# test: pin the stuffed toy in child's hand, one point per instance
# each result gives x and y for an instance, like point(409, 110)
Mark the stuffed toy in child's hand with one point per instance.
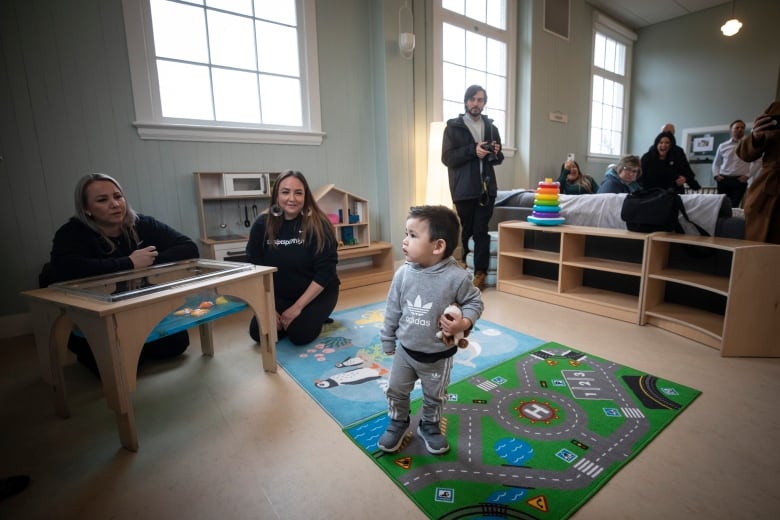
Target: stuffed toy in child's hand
point(453, 312)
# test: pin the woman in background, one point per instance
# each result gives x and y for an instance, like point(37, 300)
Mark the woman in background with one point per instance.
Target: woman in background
point(106, 236)
point(295, 236)
point(622, 178)
point(574, 182)
point(662, 168)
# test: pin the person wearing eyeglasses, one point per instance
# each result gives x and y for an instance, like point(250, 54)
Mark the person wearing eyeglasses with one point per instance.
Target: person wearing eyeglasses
point(622, 178)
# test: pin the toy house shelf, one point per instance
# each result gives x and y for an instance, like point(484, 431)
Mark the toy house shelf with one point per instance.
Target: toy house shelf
point(348, 213)
point(361, 261)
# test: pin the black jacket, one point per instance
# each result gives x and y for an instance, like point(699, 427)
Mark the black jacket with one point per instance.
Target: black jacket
point(662, 173)
point(296, 259)
point(458, 153)
point(78, 252)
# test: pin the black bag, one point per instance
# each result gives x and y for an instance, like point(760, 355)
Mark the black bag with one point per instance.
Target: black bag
point(655, 209)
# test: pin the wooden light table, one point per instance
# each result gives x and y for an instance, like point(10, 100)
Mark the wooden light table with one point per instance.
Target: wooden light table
point(117, 330)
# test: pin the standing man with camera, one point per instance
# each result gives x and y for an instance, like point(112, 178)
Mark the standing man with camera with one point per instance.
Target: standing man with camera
point(471, 147)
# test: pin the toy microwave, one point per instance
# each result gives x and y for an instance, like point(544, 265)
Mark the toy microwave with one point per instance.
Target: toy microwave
point(246, 184)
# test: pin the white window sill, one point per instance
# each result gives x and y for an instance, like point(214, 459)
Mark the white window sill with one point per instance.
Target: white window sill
point(215, 134)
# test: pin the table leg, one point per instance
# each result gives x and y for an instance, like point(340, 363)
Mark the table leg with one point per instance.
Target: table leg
point(51, 330)
point(258, 293)
point(103, 335)
point(268, 337)
point(207, 338)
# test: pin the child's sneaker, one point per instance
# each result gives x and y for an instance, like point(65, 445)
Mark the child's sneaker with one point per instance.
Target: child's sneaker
point(391, 440)
point(430, 433)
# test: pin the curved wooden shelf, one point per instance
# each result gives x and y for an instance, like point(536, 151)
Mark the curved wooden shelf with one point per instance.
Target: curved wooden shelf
point(728, 300)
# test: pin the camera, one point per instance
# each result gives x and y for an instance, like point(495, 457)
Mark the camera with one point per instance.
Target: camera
point(489, 147)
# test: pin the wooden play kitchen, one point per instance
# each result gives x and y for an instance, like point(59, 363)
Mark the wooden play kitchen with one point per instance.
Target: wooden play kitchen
point(228, 204)
point(717, 291)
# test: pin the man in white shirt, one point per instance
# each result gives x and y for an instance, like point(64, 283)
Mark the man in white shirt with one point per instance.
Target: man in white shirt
point(730, 172)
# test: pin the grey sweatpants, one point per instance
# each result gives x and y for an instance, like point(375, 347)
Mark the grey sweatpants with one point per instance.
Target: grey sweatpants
point(434, 378)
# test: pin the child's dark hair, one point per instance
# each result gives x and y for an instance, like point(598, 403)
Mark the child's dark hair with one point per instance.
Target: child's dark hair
point(442, 222)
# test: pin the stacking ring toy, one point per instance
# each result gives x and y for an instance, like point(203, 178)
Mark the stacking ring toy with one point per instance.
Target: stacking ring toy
point(546, 211)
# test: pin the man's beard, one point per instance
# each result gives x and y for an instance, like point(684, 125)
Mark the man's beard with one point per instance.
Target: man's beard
point(474, 111)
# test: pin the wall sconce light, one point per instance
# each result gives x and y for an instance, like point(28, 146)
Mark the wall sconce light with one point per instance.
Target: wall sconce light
point(406, 31)
point(732, 26)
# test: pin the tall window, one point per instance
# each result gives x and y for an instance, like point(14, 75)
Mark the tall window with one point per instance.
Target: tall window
point(475, 45)
point(610, 74)
point(225, 70)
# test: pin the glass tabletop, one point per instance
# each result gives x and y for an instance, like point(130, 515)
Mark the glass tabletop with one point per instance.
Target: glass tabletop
point(124, 285)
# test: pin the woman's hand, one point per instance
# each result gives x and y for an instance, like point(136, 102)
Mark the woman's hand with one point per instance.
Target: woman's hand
point(143, 257)
point(288, 316)
point(680, 180)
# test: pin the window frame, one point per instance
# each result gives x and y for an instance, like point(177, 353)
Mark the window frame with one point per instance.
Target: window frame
point(508, 36)
point(149, 122)
point(614, 30)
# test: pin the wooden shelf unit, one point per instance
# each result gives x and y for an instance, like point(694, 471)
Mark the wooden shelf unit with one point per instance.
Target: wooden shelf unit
point(597, 270)
point(360, 264)
point(721, 292)
point(223, 208)
point(348, 213)
point(366, 265)
point(717, 291)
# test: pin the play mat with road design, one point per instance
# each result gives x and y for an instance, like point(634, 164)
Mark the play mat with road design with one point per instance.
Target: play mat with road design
point(533, 437)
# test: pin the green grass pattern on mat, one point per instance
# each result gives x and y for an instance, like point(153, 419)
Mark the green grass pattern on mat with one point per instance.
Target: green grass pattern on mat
point(533, 437)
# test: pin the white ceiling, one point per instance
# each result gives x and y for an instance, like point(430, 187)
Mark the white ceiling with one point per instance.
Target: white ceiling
point(641, 13)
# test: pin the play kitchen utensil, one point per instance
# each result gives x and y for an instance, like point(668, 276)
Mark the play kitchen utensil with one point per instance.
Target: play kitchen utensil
point(246, 217)
point(254, 210)
point(222, 223)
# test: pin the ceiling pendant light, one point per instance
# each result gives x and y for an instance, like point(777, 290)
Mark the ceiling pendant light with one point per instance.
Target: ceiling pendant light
point(732, 26)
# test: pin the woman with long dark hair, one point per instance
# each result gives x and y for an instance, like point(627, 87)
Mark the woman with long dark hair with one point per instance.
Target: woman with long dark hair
point(574, 182)
point(295, 236)
point(664, 166)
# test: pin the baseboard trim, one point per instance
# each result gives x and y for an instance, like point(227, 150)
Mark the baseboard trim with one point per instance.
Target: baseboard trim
point(15, 325)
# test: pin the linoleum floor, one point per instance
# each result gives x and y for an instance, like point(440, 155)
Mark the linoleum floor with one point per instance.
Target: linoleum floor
point(221, 439)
